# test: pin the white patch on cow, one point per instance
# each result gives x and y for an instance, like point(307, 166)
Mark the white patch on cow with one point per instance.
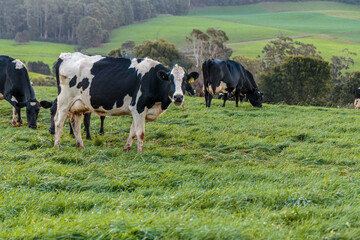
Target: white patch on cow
point(13, 99)
point(33, 103)
point(219, 89)
point(18, 64)
point(133, 108)
point(178, 73)
point(1, 96)
point(115, 111)
point(357, 103)
point(154, 112)
point(144, 66)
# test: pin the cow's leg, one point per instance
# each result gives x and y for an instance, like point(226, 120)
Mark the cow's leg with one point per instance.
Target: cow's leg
point(60, 117)
point(70, 125)
point(76, 124)
point(208, 98)
point(13, 122)
point(237, 95)
point(225, 97)
point(101, 132)
point(130, 140)
point(87, 117)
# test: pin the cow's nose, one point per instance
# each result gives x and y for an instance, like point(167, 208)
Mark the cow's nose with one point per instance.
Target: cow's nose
point(178, 98)
point(33, 126)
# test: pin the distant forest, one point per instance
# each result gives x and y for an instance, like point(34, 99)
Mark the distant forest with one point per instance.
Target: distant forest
point(59, 20)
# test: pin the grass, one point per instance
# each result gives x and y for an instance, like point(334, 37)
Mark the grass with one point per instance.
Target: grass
point(280, 172)
point(174, 29)
point(328, 46)
point(34, 50)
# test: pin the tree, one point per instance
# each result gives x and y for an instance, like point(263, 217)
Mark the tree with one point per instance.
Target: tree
point(277, 51)
point(208, 45)
point(160, 50)
point(22, 37)
point(299, 80)
point(89, 32)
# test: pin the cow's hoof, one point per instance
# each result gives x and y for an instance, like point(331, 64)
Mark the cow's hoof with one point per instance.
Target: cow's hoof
point(127, 148)
point(80, 145)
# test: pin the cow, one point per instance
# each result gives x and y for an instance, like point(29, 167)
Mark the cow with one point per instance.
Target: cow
point(228, 76)
point(357, 98)
point(15, 87)
point(87, 116)
point(108, 86)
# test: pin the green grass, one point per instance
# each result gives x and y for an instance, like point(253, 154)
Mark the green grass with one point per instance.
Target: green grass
point(174, 29)
point(279, 172)
point(328, 46)
point(34, 50)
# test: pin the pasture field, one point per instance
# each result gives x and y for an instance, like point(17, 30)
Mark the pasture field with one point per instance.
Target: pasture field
point(279, 172)
point(328, 46)
point(242, 24)
point(34, 50)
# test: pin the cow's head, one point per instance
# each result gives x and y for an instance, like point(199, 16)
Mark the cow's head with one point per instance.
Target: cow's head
point(32, 111)
point(52, 105)
point(255, 98)
point(178, 79)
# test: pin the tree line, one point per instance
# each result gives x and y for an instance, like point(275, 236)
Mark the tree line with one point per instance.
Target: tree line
point(59, 20)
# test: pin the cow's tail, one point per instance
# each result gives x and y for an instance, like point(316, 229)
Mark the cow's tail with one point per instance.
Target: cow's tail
point(57, 74)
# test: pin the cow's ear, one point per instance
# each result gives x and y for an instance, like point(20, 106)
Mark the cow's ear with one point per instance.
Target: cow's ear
point(163, 75)
point(45, 104)
point(21, 104)
point(192, 77)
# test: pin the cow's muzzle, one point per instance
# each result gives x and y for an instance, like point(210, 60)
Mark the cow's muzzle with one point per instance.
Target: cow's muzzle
point(178, 99)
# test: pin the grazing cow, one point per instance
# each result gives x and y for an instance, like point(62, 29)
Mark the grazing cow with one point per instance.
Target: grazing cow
point(15, 87)
point(228, 76)
point(53, 106)
point(143, 88)
point(357, 98)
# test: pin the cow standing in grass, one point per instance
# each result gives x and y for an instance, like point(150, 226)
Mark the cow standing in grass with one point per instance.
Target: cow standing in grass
point(15, 87)
point(143, 88)
point(226, 76)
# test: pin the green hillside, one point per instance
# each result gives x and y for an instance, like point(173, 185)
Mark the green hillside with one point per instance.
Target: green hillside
point(279, 172)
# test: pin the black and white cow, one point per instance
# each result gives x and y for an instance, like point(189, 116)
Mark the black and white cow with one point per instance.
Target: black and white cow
point(87, 116)
point(228, 76)
point(143, 88)
point(15, 87)
point(357, 98)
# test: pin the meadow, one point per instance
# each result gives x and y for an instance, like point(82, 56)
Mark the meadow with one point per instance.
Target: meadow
point(277, 172)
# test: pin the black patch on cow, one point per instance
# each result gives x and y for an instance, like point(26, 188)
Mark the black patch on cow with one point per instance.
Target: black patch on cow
point(113, 80)
point(84, 84)
point(73, 81)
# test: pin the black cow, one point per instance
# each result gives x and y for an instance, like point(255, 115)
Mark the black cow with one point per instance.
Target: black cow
point(143, 88)
point(229, 76)
point(15, 87)
point(87, 116)
point(357, 98)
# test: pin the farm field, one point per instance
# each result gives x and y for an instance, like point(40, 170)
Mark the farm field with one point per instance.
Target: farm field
point(279, 172)
point(328, 46)
point(243, 24)
point(34, 50)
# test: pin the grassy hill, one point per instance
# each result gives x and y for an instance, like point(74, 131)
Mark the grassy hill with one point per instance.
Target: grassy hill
point(243, 24)
point(279, 172)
